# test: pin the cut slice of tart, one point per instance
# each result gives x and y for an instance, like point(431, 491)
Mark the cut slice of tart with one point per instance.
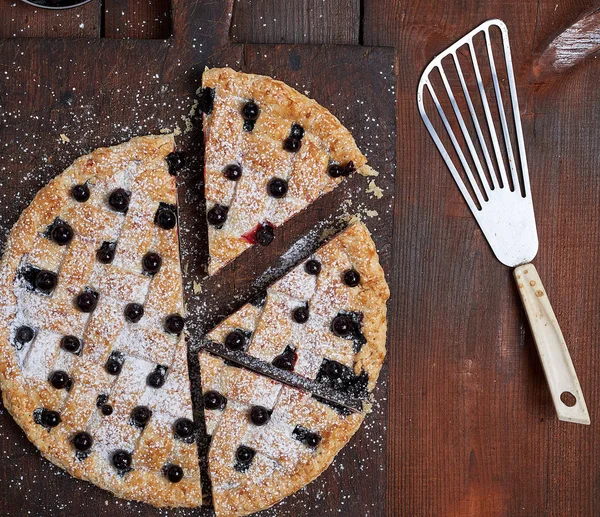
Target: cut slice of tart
point(280, 401)
point(93, 360)
point(269, 152)
point(267, 439)
point(324, 320)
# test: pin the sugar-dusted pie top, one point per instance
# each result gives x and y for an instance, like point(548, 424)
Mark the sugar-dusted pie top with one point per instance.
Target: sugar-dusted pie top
point(269, 152)
point(92, 356)
point(268, 439)
point(325, 319)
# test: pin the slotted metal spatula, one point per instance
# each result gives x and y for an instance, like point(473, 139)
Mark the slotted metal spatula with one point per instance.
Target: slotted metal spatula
point(463, 92)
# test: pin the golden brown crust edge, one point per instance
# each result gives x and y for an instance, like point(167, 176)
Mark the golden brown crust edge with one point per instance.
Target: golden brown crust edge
point(20, 402)
point(257, 497)
point(375, 292)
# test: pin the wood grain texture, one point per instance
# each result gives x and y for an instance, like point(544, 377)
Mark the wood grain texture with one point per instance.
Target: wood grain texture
point(21, 20)
point(571, 46)
point(137, 19)
point(472, 430)
point(307, 21)
point(103, 91)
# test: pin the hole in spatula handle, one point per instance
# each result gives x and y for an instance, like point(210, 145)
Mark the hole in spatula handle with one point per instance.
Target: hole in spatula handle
point(568, 399)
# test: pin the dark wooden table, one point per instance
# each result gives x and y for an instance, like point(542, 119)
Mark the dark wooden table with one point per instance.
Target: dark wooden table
point(468, 426)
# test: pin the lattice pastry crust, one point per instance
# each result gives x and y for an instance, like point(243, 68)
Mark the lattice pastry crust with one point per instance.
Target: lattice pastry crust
point(269, 152)
point(93, 359)
point(101, 391)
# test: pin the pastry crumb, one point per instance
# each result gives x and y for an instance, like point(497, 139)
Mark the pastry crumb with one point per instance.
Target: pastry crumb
point(374, 189)
point(64, 138)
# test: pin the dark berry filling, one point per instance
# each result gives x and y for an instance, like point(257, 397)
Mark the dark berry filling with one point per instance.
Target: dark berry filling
point(59, 379)
point(174, 324)
point(62, 234)
point(306, 436)
point(259, 415)
point(277, 188)
point(297, 131)
point(114, 363)
point(243, 458)
point(106, 252)
point(342, 325)
point(24, 334)
point(184, 428)
point(236, 340)
point(82, 441)
point(335, 170)
point(140, 416)
point(265, 234)
point(157, 378)
point(119, 200)
point(175, 161)
point(233, 172)
point(133, 312)
point(286, 360)
point(45, 281)
point(348, 325)
point(301, 314)
point(46, 417)
point(80, 193)
point(71, 344)
point(214, 400)
point(217, 216)
point(292, 144)
point(342, 378)
point(250, 111)
point(174, 473)
point(151, 262)
point(344, 411)
point(207, 97)
point(166, 216)
point(312, 267)
point(101, 399)
point(121, 460)
point(106, 409)
point(351, 278)
point(86, 301)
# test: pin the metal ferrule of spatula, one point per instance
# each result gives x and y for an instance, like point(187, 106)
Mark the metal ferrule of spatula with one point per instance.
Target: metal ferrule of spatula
point(482, 160)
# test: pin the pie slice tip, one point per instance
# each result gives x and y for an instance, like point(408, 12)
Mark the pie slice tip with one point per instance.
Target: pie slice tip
point(270, 151)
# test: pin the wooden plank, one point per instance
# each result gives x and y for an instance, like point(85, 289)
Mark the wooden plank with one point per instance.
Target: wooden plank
point(472, 429)
point(137, 19)
point(307, 21)
point(23, 20)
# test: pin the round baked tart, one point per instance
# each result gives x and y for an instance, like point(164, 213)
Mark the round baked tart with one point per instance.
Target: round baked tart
point(93, 354)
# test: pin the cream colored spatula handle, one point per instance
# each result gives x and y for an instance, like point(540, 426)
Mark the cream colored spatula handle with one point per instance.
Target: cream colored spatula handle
point(556, 361)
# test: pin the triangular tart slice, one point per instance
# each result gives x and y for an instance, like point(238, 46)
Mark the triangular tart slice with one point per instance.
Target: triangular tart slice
point(269, 152)
point(324, 320)
point(268, 439)
point(93, 359)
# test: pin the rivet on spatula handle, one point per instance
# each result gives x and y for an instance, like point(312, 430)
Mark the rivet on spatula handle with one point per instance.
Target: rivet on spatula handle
point(554, 355)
